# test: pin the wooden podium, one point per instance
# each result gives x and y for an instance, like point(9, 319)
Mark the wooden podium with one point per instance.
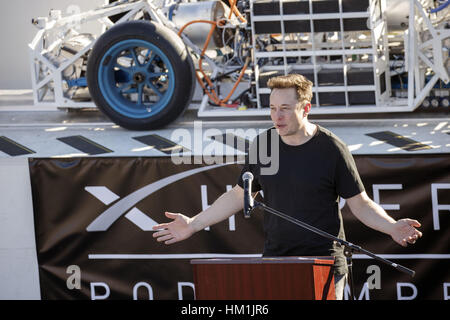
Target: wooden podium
point(277, 278)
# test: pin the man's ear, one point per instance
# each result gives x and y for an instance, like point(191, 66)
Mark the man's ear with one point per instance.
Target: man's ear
point(307, 108)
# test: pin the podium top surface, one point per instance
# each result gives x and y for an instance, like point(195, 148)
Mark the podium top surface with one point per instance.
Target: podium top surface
point(266, 260)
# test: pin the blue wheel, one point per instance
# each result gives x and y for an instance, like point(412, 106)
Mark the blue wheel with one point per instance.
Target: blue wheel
point(140, 75)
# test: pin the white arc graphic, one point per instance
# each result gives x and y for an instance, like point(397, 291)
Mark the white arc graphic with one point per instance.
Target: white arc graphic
point(110, 215)
point(135, 215)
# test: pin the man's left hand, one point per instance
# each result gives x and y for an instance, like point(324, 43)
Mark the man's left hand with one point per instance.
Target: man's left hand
point(404, 231)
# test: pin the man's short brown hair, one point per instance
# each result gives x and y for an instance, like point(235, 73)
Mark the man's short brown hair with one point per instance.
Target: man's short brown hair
point(302, 86)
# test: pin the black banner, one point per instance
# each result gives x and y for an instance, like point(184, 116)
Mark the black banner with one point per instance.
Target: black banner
point(93, 219)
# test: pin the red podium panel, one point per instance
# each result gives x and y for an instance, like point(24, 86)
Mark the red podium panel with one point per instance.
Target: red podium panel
point(278, 278)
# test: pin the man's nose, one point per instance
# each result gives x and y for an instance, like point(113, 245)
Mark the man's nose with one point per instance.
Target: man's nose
point(278, 114)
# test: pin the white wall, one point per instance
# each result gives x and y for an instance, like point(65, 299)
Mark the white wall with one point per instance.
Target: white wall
point(19, 278)
point(16, 32)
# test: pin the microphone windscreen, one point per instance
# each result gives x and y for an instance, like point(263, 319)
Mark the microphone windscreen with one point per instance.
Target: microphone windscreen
point(247, 176)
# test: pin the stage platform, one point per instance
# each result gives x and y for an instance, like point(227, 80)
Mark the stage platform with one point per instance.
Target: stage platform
point(27, 131)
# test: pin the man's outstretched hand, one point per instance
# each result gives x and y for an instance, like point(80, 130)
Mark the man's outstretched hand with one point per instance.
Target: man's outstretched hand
point(174, 231)
point(404, 231)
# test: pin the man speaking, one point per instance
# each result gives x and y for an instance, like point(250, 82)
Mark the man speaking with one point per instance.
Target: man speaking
point(315, 169)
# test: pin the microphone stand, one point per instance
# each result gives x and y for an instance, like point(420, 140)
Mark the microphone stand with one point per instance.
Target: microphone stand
point(349, 248)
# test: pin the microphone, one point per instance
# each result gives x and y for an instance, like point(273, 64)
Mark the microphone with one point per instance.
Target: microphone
point(247, 177)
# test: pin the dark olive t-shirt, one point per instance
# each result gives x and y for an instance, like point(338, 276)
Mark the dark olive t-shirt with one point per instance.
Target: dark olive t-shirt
point(310, 179)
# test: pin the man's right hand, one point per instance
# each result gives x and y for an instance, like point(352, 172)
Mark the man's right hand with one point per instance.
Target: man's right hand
point(183, 227)
point(177, 230)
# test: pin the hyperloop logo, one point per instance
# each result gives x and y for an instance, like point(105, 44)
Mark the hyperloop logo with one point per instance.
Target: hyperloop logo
point(128, 204)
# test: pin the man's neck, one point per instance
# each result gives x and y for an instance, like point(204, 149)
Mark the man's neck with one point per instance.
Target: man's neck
point(303, 135)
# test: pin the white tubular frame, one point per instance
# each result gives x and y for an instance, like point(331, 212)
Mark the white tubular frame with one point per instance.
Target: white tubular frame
point(419, 54)
point(46, 76)
point(420, 57)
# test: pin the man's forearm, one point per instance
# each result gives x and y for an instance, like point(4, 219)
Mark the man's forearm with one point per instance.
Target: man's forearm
point(224, 207)
point(376, 218)
point(371, 214)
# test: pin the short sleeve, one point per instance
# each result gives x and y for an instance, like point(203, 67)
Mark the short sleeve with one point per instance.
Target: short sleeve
point(347, 179)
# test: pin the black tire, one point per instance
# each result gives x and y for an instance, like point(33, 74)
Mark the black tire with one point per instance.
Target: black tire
point(145, 60)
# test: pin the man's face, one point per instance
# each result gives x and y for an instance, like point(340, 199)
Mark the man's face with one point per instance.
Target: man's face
point(286, 112)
